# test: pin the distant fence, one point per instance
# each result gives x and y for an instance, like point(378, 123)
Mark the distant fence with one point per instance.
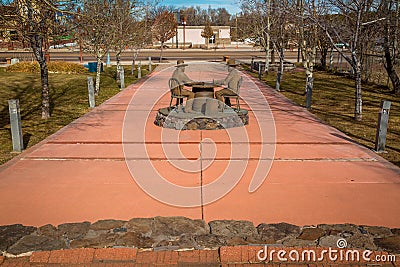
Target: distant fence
point(22, 56)
point(258, 64)
point(373, 68)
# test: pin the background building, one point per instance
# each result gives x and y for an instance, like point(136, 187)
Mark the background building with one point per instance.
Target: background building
point(193, 38)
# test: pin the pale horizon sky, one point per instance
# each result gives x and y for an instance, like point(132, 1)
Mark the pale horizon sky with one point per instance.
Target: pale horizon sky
point(232, 7)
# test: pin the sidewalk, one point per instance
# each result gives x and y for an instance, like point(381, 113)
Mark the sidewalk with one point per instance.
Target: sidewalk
point(318, 175)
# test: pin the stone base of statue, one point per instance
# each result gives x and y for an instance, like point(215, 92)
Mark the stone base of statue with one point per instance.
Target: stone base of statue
point(203, 116)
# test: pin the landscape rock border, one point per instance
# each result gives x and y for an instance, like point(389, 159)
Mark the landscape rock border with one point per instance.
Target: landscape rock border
point(174, 233)
point(195, 121)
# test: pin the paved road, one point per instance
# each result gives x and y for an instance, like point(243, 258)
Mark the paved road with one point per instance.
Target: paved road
point(168, 54)
point(285, 166)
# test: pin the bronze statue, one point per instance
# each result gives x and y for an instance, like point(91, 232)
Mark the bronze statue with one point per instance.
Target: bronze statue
point(231, 81)
point(183, 79)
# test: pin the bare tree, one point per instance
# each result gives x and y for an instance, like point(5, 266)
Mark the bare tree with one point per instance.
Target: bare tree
point(349, 24)
point(222, 18)
point(324, 46)
point(125, 25)
point(391, 41)
point(138, 39)
point(36, 21)
point(256, 20)
point(140, 35)
point(308, 42)
point(207, 32)
point(94, 27)
point(191, 14)
point(282, 30)
point(196, 16)
point(164, 28)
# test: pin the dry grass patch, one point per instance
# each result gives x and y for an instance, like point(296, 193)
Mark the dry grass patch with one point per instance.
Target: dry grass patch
point(333, 102)
point(69, 101)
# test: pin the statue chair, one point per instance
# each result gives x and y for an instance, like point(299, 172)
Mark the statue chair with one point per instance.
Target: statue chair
point(236, 96)
point(173, 84)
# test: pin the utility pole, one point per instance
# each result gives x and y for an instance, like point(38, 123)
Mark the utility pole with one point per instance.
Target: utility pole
point(80, 50)
point(178, 20)
point(237, 33)
point(80, 41)
point(184, 33)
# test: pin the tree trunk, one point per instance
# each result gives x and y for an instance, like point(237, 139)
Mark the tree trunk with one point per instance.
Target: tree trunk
point(331, 60)
point(97, 89)
point(280, 70)
point(324, 55)
point(162, 47)
point(391, 71)
point(37, 47)
point(273, 56)
point(118, 58)
point(389, 64)
point(358, 94)
point(44, 75)
point(267, 54)
point(309, 89)
point(366, 68)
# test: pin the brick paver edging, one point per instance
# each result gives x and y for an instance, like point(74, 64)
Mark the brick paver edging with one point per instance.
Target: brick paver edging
point(223, 256)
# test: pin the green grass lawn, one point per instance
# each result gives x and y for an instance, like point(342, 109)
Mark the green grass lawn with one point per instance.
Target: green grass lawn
point(333, 102)
point(69, 101)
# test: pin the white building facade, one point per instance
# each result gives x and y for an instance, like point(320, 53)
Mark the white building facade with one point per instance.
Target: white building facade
point(193, 38)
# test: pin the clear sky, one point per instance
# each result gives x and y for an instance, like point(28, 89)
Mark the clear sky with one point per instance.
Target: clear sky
point(232, 6)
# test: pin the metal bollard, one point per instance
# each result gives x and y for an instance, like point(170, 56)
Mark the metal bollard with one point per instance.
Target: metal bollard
point(259, 70)
point(133, 67)
point(92, 102)
point(252, 63)
point(150, 66)
point(16, 128)
point(139, 71)
point(381, 131)
point(278, 81)
point(310, 82)
point(122, 77)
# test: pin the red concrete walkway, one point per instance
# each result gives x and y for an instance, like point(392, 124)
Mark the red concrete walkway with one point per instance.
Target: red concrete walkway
point(317, 174)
